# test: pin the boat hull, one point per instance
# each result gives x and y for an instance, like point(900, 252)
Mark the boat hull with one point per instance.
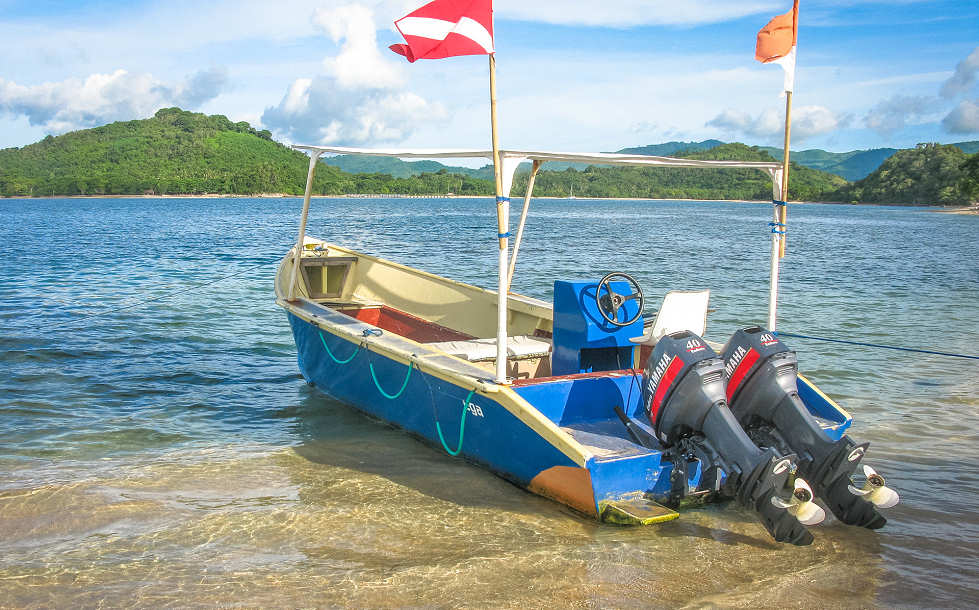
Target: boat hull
point(461, 421)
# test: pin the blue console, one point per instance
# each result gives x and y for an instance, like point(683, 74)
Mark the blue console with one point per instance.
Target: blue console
point(584, 341)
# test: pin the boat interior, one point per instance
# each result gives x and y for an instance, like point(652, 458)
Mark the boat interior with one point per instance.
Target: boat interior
point(565, 358)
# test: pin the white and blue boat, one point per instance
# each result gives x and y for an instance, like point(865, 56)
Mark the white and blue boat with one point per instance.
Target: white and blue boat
point(583, 400)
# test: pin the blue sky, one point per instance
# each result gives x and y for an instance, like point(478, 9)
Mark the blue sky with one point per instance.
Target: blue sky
point(574, 75)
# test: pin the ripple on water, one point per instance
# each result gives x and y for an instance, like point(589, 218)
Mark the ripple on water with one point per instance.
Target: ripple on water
point(171, 455)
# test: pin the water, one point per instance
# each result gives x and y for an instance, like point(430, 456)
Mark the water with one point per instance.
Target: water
point(166, 452)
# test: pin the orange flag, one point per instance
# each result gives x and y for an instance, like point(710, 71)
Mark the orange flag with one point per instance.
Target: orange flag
point(777, 42)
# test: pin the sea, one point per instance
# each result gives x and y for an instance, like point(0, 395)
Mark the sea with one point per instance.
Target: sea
point(159, 448)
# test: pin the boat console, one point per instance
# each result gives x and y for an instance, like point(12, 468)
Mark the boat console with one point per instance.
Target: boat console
point(593, 324)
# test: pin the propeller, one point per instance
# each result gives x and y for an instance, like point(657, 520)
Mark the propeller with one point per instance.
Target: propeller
point(875, 491)
point(800, 505)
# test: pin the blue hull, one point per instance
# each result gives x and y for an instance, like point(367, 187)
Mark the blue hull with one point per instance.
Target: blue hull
point(460, 421)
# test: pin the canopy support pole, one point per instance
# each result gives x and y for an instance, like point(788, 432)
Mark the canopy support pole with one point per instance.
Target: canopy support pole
point(313, 158)
point(502, 224)
point(523, 220)
point(784, 212)
point(777, 237)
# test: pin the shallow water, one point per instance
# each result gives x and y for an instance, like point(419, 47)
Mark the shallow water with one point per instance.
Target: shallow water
point(166, 452)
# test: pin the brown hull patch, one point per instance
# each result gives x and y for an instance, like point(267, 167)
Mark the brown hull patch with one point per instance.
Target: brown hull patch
point(569, 485)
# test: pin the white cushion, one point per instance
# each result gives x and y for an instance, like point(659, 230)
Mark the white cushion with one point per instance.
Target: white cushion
point(523, 346)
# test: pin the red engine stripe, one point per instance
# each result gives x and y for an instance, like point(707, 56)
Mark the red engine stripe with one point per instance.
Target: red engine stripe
point(676, 365)
point(737, 377)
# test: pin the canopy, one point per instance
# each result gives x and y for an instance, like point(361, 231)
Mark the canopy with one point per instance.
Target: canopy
point(510, 161)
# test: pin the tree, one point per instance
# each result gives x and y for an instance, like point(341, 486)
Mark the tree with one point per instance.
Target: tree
point(969, 183)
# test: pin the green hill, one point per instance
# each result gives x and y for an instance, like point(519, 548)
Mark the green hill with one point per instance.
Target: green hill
point(852, 165)
point(682, 183)
point(190, 153)
point(367, 164)
point(183, 152)
point(670, 148)
point(929, 174)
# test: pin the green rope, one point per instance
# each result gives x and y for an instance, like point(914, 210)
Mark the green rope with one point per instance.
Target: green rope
point(462, 426)
point(403, 385)
point(356, 351)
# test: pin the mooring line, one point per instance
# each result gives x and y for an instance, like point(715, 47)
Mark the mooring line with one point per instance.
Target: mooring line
point(462, 426)
point(877, 345)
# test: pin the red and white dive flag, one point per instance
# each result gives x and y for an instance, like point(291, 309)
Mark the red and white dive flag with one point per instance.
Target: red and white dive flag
point(446, 28)
point(777, 41)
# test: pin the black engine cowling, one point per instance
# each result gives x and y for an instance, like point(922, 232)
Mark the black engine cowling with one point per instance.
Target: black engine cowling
point(763, 393)
point(683, 395)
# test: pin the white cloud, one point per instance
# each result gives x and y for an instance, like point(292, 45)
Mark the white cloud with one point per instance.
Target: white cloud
point(807, 121)
point(964, 78)
point(737, 121)
point(360, 63)
point(964, 118)
point(102, 98)
point(895, 112)
point(359, 99)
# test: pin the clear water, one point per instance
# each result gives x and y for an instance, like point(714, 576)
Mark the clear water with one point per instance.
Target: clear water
point(169, 454)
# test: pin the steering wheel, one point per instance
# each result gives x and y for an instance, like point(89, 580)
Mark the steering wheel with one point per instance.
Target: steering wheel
point(609, 304)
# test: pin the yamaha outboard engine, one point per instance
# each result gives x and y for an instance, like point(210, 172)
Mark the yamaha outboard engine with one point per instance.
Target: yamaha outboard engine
point(683, 394)
point(763, 393)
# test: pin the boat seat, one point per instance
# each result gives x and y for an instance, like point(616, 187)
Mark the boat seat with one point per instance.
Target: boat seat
point(681, 310)
point(475, 350)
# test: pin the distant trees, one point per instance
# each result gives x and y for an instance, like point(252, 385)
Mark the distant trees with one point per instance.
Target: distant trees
point(191, 153)
point(969, 182)
point(928, 174)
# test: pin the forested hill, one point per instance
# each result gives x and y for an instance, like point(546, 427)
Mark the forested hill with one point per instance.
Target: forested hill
point(676, 182)
point(929, 174)
point(173, 152)
point(180, 152)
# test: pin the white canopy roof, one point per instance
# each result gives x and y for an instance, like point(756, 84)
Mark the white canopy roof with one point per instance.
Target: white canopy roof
point(513, 158)
point(527, 155)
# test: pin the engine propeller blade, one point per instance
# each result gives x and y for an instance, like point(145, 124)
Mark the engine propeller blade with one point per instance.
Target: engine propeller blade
point(801, 505)
point(875, 491)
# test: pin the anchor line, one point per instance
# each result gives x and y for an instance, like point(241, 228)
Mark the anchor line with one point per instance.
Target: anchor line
point(462, 426)
point(435, 416)
point(877, 345)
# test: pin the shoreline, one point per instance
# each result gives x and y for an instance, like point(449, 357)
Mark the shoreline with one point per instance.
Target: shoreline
point(960, 210)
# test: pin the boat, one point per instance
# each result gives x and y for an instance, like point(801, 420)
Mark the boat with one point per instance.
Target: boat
point(624, 419)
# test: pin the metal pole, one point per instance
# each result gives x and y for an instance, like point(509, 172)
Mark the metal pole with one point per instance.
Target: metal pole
point(784, 212)
point(313, 158)
point(774, 262)
point(523, 219)
point(502, 222)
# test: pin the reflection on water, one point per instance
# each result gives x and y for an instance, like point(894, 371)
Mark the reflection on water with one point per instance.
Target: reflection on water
point(171, 455)
point(360, 514)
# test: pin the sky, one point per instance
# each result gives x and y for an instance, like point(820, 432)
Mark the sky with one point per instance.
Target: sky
point(573, 75)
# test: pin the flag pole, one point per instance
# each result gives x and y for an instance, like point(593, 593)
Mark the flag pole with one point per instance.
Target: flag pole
point(783, 209)
point(502, 222)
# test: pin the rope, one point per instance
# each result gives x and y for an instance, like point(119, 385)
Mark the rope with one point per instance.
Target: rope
point(330, 354)
point(878, 345)
point(403, 385)
point(462, 426)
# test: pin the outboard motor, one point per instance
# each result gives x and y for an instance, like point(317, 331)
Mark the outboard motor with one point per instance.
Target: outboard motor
point(683, 394)
point(763, 393)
